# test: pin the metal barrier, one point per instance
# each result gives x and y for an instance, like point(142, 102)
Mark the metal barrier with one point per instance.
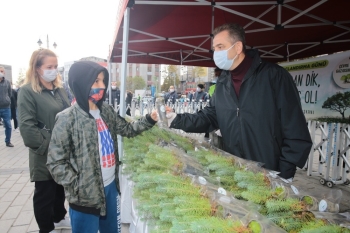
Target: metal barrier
point(331, 143)
point(144, 107)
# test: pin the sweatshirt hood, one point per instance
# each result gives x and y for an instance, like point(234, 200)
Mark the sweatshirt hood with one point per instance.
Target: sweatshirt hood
point(82, 76)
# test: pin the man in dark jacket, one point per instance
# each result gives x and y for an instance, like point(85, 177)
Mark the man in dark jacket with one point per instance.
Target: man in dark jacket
point(200, 94)
point(5, 105)
point(115, 94)
point(172, 96)
point(255, 105)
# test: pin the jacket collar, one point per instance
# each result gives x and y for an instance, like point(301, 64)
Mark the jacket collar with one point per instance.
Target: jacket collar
point(225, 76)
point(87, 114)
point(76, 106)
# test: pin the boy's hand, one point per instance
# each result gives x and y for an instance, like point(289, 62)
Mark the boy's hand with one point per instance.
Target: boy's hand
point(171, 116)
point(168, 109)
point(154, 115)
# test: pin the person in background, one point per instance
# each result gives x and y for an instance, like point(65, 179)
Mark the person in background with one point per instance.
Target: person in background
point(171, 97)
point(190, 95)
point(41, 97)
point(115, 97)
point(83, 152)
point(14, 110)
point(200, 94)
point(5, 106)
point(217, 73)
point(69, 92)
point(256, 106)
point(128, 102)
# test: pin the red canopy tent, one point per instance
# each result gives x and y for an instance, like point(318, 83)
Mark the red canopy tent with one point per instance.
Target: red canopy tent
point(179, 32)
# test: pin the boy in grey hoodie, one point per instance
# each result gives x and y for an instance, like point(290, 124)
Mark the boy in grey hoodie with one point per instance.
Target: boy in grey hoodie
point(83, 151)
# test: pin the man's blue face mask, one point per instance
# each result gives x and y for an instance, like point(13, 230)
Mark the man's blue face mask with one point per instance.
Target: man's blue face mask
point(221, 60)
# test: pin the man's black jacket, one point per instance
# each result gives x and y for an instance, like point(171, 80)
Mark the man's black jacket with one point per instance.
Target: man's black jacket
point(266, 124)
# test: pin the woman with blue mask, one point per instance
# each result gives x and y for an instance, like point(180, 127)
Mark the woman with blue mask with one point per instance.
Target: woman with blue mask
point(39, 100)
point(256, 106)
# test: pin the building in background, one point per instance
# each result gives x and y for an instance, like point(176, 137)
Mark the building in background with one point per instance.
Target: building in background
point(8, 72)
point(61, 72)
point(152, 74)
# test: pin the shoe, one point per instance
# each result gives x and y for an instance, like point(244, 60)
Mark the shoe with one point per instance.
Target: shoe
point(17, 130)
point(63, 224)
point(9, 144)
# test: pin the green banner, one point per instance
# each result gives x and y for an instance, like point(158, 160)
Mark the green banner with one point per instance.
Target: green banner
point(307, 65)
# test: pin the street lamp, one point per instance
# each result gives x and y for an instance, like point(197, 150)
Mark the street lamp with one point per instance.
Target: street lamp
point(47, 43)
point(39, 43)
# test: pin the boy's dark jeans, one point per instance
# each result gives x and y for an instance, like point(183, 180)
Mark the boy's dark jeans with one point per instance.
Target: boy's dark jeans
point(48, 203)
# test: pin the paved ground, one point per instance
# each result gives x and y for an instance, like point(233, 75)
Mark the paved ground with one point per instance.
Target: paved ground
point(16, 190)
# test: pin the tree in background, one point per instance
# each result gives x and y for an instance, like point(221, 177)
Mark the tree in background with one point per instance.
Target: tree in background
point(21, 77)
point(345, 78)
point(338, 103)
point(170, 75)
point(199, 72)
point(135, 83)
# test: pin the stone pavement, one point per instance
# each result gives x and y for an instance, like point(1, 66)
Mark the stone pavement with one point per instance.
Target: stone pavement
point(16, 190)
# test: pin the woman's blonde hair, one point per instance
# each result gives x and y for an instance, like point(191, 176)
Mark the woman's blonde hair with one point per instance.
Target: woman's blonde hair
point(32, 76)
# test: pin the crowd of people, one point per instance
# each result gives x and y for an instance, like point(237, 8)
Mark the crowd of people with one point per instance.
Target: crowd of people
point(71, 132)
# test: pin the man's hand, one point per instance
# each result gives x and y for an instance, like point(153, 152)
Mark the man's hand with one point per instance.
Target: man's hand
point(154, 115)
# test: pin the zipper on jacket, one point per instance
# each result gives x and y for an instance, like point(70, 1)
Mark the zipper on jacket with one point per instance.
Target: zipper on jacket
point(237, 111)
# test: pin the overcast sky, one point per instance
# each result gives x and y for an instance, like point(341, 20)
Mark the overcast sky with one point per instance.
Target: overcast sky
point(79, 28)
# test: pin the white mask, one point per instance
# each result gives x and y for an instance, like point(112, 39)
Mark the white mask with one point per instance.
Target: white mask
point(221, 60)
point(49, 75)
point(198, 89)
point(171, 90)
point(2, 75)
point(114, 87)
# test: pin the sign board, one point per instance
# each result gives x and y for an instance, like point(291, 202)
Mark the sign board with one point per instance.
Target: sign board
point(319, 78)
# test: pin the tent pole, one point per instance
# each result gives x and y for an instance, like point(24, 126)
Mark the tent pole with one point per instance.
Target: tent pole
point(123, 75)
point(109, 89)
point(212, 25)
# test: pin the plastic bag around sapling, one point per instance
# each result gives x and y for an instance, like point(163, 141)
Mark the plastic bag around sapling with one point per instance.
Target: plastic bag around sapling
point(209, 185)
point(259, 223)
point(341, 219)
point(190, 164)
point(325, 201)
point(231, 207)
point(240, 162)
point(285, 189)
point(280, 191)
point(160, 106)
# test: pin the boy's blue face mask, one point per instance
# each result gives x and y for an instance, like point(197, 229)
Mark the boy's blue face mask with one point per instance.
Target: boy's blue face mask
point(96, 94)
